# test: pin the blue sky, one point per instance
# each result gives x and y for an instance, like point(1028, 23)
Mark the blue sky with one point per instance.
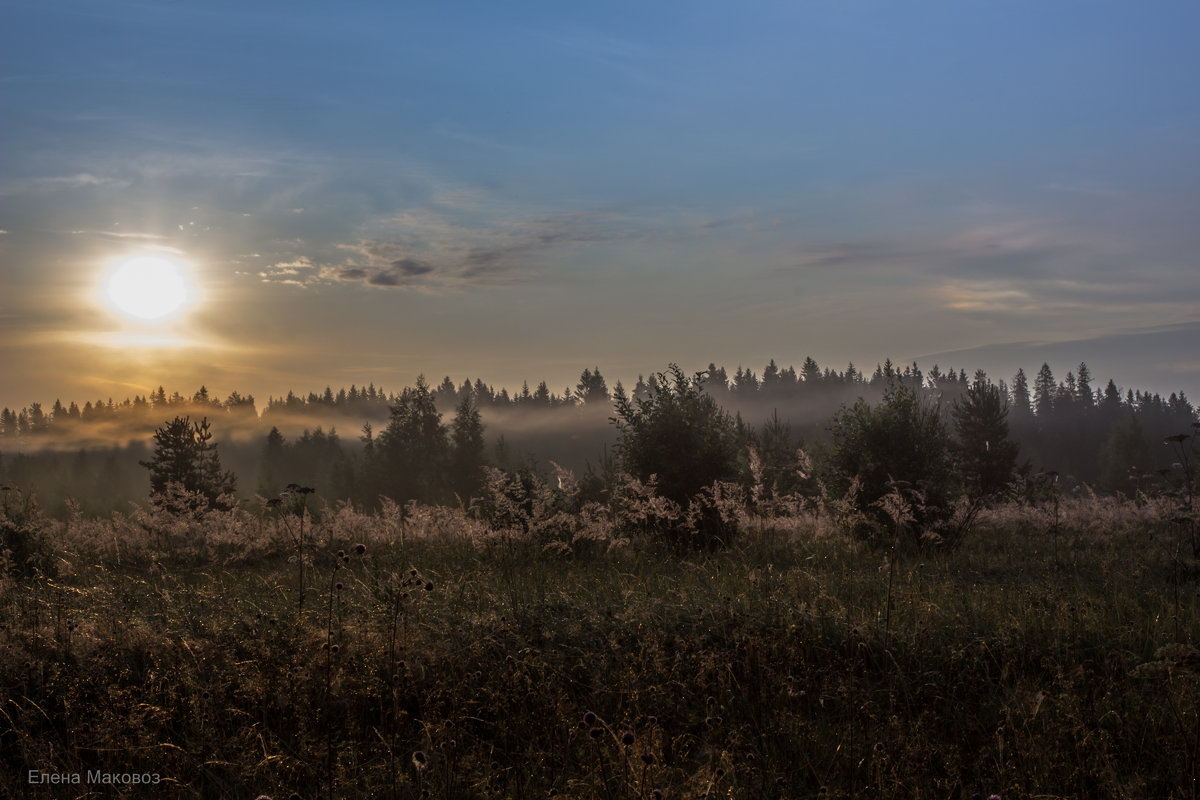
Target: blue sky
point(368, 191)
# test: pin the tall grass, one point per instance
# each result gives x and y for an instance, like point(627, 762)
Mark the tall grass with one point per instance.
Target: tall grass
point(552, 650)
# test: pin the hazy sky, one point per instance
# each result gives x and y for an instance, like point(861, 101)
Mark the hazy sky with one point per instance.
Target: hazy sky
point(366, 191)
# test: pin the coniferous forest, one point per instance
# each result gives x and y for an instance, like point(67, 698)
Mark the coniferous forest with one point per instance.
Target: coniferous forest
point(795, 584)
point(356, 444)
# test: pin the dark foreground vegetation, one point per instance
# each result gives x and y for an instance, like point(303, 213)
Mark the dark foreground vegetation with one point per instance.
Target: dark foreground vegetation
point(553, 648)
point(911, 611)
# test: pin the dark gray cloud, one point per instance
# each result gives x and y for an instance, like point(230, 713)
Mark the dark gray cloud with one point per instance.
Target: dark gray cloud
point(437, 252)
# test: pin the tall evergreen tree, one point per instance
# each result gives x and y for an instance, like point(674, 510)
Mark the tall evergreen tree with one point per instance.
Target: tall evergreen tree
point(1044, 390)
point(466, 450)
point(985, 454)
point(592, 387)
point(411, 452)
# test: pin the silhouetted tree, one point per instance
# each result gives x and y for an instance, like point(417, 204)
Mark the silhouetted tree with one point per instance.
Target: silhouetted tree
point(466, 450)
point(986, 456)
point(592, 387)
point(899, 445)
point(411, 453)
point(680, 435)
point(185, 457)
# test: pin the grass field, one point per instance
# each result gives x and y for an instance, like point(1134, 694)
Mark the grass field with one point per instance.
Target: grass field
point(425, 653)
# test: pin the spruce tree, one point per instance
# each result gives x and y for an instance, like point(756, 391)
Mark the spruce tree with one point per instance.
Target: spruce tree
point(185, 458)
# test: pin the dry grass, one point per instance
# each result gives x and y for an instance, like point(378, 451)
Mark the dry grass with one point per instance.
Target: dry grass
point(517, 658)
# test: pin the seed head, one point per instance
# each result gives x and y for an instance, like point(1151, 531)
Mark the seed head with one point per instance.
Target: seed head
point(418, 759)
point(595, 733)
point(429, 587)
point(627, 738)
point(360, 548)
point(341, 553)
point(879, 747)
point(657, 794)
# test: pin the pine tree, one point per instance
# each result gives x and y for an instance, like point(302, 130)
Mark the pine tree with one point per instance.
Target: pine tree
point(185, 458)
point(1044, 390)
point(466, 450)
point(985, 454)
point(592, 387)
point(411, 452)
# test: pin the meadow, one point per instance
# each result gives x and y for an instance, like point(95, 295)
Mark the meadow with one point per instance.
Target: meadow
point(550, 649)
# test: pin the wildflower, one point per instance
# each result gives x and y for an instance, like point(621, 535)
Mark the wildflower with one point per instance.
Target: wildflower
point(657, 794)
point(418, 759)
point(339, 586)
point(627, 738)
point(429, 587)
point(595, 733)
point(647, 759)
point(360, 548)
point(589, 719)
point(720, 773)
point(652, 721)
point(341, 553)
point(879, 747)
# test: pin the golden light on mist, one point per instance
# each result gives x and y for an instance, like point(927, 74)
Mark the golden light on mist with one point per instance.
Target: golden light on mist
point(149, 287)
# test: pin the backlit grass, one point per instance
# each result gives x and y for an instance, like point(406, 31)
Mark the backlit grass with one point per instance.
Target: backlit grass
point(599, 664)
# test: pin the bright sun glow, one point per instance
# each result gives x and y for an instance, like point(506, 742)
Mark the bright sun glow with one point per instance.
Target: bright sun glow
point(148, 287)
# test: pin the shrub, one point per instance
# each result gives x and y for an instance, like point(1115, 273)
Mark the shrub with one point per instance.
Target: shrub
point(681, 437)
point(24, 550)
point(898, 449)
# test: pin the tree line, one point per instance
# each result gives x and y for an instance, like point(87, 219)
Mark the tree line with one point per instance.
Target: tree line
point(406, 447)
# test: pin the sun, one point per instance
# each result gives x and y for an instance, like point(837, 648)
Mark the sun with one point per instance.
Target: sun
point(148, 287)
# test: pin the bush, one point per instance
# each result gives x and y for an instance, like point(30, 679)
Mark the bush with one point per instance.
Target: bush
point(24, 551)
point(679, 437)
point(893, 463)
